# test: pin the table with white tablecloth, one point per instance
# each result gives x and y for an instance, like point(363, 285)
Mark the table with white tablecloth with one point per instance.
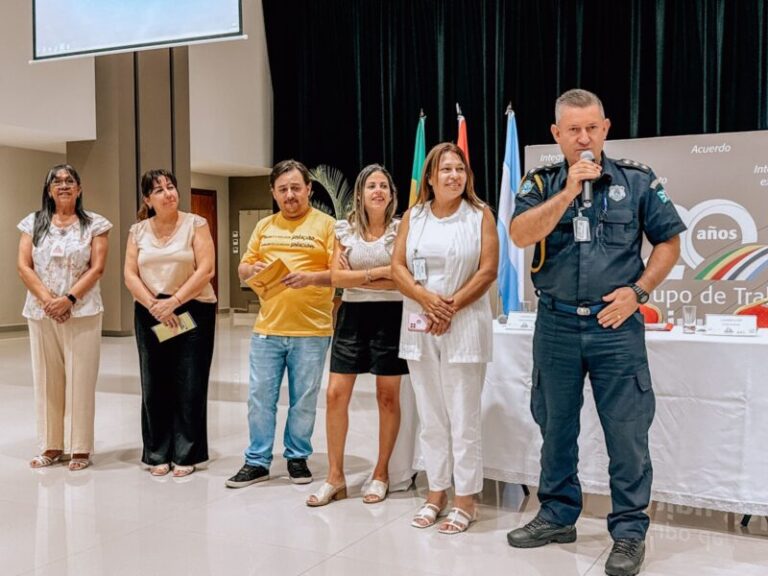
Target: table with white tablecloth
point(709, 438)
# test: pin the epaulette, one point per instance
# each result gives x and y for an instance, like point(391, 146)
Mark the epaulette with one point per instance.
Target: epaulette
point(625, 163)
point(544, 168)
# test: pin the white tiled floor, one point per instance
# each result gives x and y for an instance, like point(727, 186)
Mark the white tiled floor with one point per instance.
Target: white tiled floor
point(114, 518)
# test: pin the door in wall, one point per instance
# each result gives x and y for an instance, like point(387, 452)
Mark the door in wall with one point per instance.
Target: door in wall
point(204, 204)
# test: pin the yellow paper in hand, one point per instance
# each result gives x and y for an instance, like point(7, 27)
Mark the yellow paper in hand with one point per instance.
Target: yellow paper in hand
point(186, 323)
point(269, 281)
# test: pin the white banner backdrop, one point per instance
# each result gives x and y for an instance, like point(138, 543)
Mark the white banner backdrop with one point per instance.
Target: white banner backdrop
point(719, 185)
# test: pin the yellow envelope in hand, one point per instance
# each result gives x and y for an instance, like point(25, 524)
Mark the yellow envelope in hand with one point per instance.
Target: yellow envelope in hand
point(269, 281)
point(186, 323)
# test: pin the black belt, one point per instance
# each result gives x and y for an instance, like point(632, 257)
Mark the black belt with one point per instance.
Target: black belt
point(583, 309)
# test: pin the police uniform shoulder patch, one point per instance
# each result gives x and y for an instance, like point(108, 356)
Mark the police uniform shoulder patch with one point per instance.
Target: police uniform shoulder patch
point(526, 187)
point(543, 168)
point(658, 187)
point(625, 163)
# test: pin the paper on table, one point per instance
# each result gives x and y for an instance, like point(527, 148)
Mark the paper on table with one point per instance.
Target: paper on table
point(186, 323)
point(659, 326)
point(268, 282)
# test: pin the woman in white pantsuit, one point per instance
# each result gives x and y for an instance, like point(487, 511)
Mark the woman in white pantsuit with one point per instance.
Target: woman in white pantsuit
point(445, 259)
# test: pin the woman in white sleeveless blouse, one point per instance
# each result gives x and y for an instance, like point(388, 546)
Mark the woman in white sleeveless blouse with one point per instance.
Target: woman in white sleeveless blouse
point(445, 259)
point(367, 330)
point(169, 264)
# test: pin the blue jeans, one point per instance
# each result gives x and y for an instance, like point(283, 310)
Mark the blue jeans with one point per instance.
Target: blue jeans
point(304, 357)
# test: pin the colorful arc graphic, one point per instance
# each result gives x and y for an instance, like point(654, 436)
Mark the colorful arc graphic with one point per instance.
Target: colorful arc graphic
point(744, 263)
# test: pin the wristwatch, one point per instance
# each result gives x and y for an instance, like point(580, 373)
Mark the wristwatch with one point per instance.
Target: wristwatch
point(72, 298)
point(641, 295)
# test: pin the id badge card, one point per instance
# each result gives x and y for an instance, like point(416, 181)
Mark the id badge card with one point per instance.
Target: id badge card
point(581, 229)
point(417, 322)
point(57, 250)
point(420, 269)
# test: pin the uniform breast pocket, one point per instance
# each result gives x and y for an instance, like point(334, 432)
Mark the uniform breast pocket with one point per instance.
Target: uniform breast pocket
point(619, 227)
point(562, 235)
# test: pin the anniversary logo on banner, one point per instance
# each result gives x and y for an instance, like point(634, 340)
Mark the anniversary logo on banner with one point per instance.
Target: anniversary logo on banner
point(719, 185)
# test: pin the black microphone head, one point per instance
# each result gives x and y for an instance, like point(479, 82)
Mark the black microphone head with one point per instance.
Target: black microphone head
point(587, 155)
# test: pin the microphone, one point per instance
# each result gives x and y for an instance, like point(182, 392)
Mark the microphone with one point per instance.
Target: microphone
point(586, 191)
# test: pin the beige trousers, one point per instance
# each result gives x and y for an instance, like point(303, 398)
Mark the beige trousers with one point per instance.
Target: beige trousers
point(65, 366)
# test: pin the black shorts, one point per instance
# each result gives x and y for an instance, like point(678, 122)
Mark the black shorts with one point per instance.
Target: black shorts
point(367, 339)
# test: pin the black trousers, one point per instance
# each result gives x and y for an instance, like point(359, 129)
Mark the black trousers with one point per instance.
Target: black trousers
point(174, 387)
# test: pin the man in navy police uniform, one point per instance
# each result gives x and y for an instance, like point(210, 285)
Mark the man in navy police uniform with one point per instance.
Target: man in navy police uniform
point(590, 277)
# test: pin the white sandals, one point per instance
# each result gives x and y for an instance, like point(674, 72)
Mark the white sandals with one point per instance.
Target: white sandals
point(43, 460)
point(426, 515)
point(327, 494)
point(458, 521)
point(376, 492)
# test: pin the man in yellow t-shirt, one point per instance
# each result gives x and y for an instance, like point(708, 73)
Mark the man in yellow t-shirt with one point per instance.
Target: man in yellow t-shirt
point(294, 327)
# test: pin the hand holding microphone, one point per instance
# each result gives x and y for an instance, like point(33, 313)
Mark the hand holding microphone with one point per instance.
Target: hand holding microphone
point(586, 190)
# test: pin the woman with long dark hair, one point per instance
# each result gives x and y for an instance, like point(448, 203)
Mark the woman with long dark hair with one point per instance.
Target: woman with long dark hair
point(62, 252)
point(169, 264)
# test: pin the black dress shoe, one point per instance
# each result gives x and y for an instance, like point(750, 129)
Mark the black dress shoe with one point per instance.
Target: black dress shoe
point(626, 557)
point(539, 532)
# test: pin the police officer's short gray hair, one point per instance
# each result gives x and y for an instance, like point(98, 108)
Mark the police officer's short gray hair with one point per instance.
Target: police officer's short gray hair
point(577, 98)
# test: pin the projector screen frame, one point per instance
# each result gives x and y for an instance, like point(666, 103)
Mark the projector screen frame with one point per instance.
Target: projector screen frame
point(175, 43)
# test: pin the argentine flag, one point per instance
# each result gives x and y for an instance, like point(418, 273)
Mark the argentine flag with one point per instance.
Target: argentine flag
point(511, 258)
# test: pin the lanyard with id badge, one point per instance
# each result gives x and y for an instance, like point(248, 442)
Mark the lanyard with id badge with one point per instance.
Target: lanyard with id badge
point(419, 263)
point(582, 231)
point(418, 322)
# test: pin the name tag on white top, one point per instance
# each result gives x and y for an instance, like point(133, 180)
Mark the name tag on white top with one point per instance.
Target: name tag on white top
point(420, 269)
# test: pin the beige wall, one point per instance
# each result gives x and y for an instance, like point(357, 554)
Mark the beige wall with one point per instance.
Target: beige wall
point(221, 185)
point(244, 194)
point(45, 104)
point(230, 97)
point(21, 189)
point(128, 133)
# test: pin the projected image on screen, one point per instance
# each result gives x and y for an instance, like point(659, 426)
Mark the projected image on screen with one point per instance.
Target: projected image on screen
point(74, 27)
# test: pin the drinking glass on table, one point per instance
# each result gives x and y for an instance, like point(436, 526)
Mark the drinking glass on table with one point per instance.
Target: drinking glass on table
point(689, 319)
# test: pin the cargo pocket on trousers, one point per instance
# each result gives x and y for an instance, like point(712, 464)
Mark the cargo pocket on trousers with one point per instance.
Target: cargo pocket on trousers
point(630, 398)
point(538, 407)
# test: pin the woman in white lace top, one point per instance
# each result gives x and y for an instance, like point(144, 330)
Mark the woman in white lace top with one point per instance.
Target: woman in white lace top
point(62, 253)
point(367, 330)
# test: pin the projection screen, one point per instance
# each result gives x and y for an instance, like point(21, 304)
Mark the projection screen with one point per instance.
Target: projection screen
point(68, 28)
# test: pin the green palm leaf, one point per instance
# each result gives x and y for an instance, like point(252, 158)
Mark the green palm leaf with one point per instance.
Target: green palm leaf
point(336, 185)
